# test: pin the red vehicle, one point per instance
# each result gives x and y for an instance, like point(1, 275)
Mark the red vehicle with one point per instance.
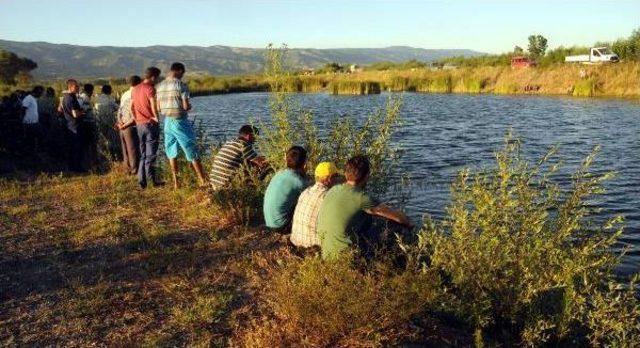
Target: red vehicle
point(522, 62)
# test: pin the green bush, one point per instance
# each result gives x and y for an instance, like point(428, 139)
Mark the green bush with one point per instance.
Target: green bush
point(291, 125)
point(526, 260)
point(441, 84)
point(585, 88)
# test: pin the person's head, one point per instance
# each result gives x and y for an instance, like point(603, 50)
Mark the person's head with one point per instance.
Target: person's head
point(106, 89)
point(134, 80)
point(51, 93)
point(296, 158)
point(357, 169)
point(88, 89)
point(326, 173)
point(73, 86)
point(152, 74)
point(177, 70)
point(37, 91)
point(248, 132)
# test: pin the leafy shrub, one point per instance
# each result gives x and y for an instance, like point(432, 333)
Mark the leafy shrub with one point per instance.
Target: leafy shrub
point(291, 125)
point(585, 88)
point(529, 263)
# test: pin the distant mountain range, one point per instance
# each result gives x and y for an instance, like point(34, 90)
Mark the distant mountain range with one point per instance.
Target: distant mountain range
point(61, 60)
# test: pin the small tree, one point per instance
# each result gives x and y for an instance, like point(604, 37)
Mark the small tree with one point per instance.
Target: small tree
point(518, 50)
point(12, 66)
point(537, 45)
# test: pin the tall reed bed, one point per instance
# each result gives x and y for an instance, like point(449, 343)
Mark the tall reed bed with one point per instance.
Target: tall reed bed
point(353, 87)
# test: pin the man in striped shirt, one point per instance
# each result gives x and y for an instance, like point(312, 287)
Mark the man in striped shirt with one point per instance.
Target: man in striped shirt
point(232, 155)
point(174, 104)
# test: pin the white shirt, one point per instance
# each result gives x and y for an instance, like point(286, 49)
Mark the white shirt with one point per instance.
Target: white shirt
point(31, 114)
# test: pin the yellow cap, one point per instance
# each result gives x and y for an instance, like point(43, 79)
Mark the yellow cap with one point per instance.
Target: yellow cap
point(326, 169)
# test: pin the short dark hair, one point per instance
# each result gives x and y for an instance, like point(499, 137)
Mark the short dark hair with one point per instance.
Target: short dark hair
point(296, 157)
point(357, 169)
point(51, 92)
point(38, 90)
point(151, 72)
point(177, 66)
point(134, 80)
point(106, 89)
point(248, 129)
point(87, 88)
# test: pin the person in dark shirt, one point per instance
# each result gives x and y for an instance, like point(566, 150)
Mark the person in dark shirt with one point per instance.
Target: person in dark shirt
point(73, 113)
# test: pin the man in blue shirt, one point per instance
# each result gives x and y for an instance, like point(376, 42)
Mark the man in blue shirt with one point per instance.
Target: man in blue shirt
point(283, 191)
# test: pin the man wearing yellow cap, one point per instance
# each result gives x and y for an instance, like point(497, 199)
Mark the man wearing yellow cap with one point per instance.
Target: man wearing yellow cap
point(303, 229)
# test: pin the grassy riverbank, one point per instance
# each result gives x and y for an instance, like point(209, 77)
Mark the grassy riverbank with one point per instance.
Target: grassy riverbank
point(93, 260)
point(613, 80)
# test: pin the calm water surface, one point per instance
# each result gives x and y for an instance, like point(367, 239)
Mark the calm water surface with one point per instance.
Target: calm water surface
point(445, 133)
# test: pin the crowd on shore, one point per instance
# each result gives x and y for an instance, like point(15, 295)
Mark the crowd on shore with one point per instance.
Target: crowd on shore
point(332, 212)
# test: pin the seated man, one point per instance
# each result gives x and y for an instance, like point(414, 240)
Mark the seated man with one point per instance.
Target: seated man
point(303, 230)
point(283, 191)
point(345, 213)
point(232, 155)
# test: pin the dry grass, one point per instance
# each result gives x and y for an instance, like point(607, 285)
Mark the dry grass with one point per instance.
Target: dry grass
point(613, 80)
point(92, 260)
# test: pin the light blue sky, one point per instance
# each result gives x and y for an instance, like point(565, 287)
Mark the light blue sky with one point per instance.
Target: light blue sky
point(489, 26)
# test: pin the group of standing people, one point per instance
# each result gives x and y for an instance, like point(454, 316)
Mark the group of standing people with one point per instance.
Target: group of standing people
point(134, 125)
point(26, 118)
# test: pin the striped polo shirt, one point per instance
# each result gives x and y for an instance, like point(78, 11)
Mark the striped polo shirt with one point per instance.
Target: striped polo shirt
point(231, 156)
point(169, 94)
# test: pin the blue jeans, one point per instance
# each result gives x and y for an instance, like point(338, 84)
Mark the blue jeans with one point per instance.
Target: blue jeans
point(149, 137)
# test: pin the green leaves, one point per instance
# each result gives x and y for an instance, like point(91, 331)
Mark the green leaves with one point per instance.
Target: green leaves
point(512, 238)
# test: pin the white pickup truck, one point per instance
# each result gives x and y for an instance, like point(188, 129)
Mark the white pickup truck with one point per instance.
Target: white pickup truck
point(596, 55)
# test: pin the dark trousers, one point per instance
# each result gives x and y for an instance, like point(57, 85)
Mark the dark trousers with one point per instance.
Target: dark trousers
point(32, 134)
point(149, 137)
point(129, 145)
point(74, 150)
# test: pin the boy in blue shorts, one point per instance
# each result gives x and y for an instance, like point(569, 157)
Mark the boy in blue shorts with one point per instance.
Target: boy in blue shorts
point(173, 102)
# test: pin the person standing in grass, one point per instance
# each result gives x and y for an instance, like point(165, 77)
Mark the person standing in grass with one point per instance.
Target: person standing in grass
point(345, 213)
point(105, 108)
point(145, 112)
point(31, 121)
point(127, 128)
point(73, 113)
point(283, 191)
point(303, 230)
point(174, 104)
point(89, 128)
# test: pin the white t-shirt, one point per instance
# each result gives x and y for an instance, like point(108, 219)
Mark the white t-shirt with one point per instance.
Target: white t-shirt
point(31, 114)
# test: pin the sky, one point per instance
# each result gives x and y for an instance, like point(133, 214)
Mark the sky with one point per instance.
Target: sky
point(487, 26)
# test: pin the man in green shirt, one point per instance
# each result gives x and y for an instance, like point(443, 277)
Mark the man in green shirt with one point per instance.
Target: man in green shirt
point(282, 194)
point(346, 210)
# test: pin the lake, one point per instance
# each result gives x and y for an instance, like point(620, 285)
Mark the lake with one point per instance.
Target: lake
point(444, 133)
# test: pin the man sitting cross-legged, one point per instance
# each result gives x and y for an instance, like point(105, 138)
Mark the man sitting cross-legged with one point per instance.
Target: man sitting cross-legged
point(283, 191)
point(303, 230)
point(232, 156)
point(345, 213)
